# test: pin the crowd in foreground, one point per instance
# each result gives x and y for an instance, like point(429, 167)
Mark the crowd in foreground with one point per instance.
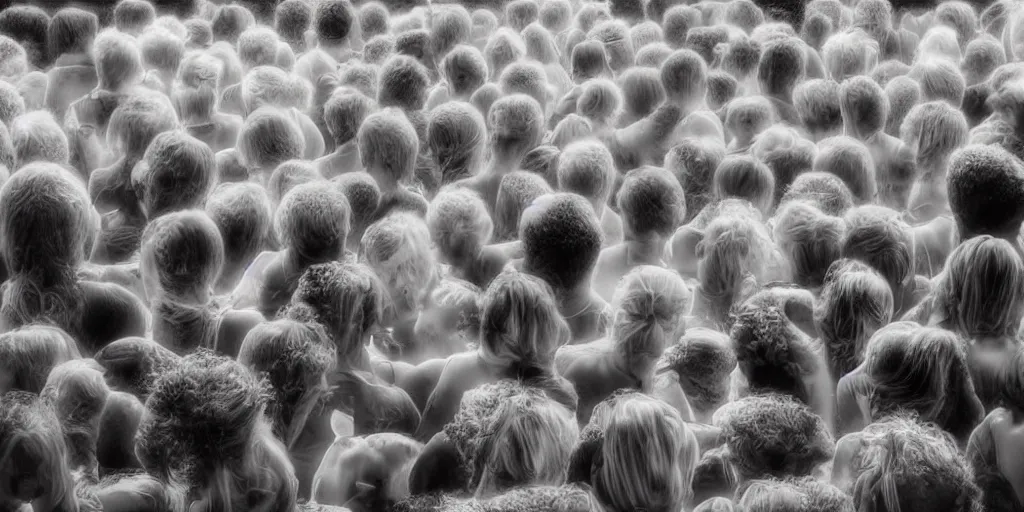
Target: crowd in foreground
point(545, 256)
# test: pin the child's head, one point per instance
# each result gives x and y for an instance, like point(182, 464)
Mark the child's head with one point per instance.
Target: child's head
point(388, 146)
point(459, 225)
point(397, 248)
point(268, 138)
point(986, 192)
point(289, 175)
point(562, 239)
point(28, 355)
point(181, 258)
point(344, 112)
point(516, 192)
point(818, 104)
point(292, 18)
point(137, 121)
point(347, 300)
point(36, 136)
point(684, 75)
point(651, 203)
point(627, 478)
point(118, 60)
point(177, 173)
point(451, 314)
point(878, 237)
point(981, 288)
point(798, 441)
point(464, 70)
point(586, 168)
point(940, 80)
point(849, 159)
point(243, 214)
point(809, 239)
point(516, 125)
point(747, 178)
point(71, 30)
point(312, 222)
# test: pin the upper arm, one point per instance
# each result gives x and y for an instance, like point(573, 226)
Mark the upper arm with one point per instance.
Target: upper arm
point(233, 328)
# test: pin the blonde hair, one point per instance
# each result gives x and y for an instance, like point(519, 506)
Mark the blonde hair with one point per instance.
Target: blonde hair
point(527, 441)
point(982, 288)
point(459, 223)
point(398, 249)
point(650, 305)
point(732, 255)
point(648, 457)
point(810, 240)
point(31, 427)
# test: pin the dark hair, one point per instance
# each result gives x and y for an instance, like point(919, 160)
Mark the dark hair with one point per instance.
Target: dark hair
point(333, 20)
point(71, 30)
point(562, 244)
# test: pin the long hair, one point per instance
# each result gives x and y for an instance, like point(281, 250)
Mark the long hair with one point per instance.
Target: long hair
point(29, 353)
point(647, 458)
point(732, 251)
point(855, 302)
point(31, 441)
point(982, 289)
point(77, 394)
point(43, 286)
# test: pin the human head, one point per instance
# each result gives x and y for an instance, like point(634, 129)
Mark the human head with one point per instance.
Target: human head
point(13, 59)
point(940, 80)
point(516, 126)
point(748, 116)
point(459, 225)
point(849, 54)
point(527, 78)
point(257, 46)
point(450, 26)
point(722, 88)
point(118, 60)
point(403, 83)
point(642, 92)
point(181, 258)
point(12, 105)
point(981, 273)
point(731, 255)
point(452, 313)
point(332, 22)
point(855, 302)
point(312, 222)
point(586, 168)
point(800, 443)
point(561, 224)
point(516, 192)
point(27, 24)
point(903, 93)
point(344, 112)
point(997, 211)
point(981, 57)
point(464, 70)
point(704, 361)
point(292, 18)
point(614, 36)
point(849, 159)
point(288, 175)
point(388, 146)
point(243, 215)
point(272, 86)
point(268, 138)
point(378, 48)
point(36, 136)
point(397, 248)
point(864, 106)
point(30, 353)
point(878, 237)
point(230, 21)
point(34, 452)
point(677, 21)
point(818, 104)
point(520, 323)
point(684, 77)
point(71, 30)
point(456, 135)
point(503, 48)
point(650, 304)
point(137, 121)
point(934, 131)
point(694, 162)
point(781, 68)
point(373, 19)
point(651, 202)
point(747, 178)
point(363, 197)
point(177, 173)
point(810, 239)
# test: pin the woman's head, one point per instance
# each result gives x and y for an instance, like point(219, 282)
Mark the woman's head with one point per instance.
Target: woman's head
point(731, 253)
point(398, 249)
point(520, 326)
point(28, 354)
point(773, 353)
point(934, 131)
point(456, 135)
point(855, 302)
point(650, 304)
point(312, 222)
point(647, 457)
point(983, 288)
point(810, 239)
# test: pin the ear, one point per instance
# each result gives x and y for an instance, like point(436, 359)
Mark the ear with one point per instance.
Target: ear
point(342, 424)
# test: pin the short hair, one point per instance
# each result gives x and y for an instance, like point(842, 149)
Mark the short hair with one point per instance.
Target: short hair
point(880, 238)
point(824, 190)
point(313, 220)
point(344, 112)
point(31, 352)
point(332, 20)
point(705, 40)
point(416, 43)
point(864, 105)
point(599, 100)
point(292, 18)
point(651, 201)
point(981, 57)
point(403, 83)
point(12, 105)
point(555, 15)
point(645, 33)
point(388, 141)
point(459, 223)
point(562, 241)
point(374, 19)
point(484, 97)
point(588, 60)
point(986, 191)
point(742, 57)
point(903, 93)
point(269, 136)
point(361, 77)
point(586, 168)
point(694, 162)
point(934, 131)
point(527, 78)
point(684, 76)
point(816, 29)
point(642, 91)
point(801, 440)
point(378, 48)
point(231, 72)
point(747, 178)
point(516, 192)
point(744, 14)
point(589, 15)
point(397, 248)
point(849, 54)
point(257, 46)
point(887, 70)
point(117, 58)
point(781, 66)
point(503, 48)
point(456, 136)
point(940, 80)
point(464, 69)
point(230, 21)
point(242, 213)
point(27, 25)
point(873, 16)
point(625, 480)
point(37, 136)
point(520, 13)
point(516, 124)
point(363, 197)
point(960, 16)
point(289, 175)
point(571, 128)
point(766, 495)
point(543, 161)
point(132, 16)
point(185, 251)
point(451, 25)
point(849, 159)
point(818, 104)
point(941, 477)
point(274, 87)
point(810, 239)
point(13, 59)
point(677, 21)
point(540, 44)
point(179, 175)
point(71, 30)
point(749, 115)
point(614, 36)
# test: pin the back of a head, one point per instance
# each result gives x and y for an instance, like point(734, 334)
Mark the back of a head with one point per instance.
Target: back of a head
point(257, 46)
point(986, 191)
point(747, 178)
point(939, 80)
point(614, 36)
point(344, 112)
point(332, 21)
point(185, 250)
point(288, 175)
point(878, 237)
point(137, 121)
point(29, 353)
point(269, 137)
point(388, 144)
point(810, 239)
point(705, 40)
point(586, 168)
point(684, 77)
point(118, 60)
point(694, 162)
point(748, 116)
point(464, 69)
point(864, 106)
point(71, 30)
point(27, 24)
point(651, 203)
point(179, 174)
point(520, 324)
point(36, 136)
point(242, 213)
point(456, 135)
point(781, 67)
point(403, 83)
point(516, 124)
point(363, 197)
point(934, 131)
point(516, 192)
point(272, 86)
point(503, 48)
point(818, 104)
point(133, 16)
point(292, 18)
point(851, 161)
point(562, 240)
point(525, 77)
point(459, 223)
point(981, 57)
point(848, 54)
point(374, 19)
point(902, 93)
point(642, 91)
point(313, 221)
point(823, 189)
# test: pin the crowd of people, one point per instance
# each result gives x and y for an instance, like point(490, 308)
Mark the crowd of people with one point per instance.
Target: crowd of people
point(511, 256)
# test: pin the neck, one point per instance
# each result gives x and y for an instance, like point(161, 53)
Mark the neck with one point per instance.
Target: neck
point(645, 251)
point(573, 300)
